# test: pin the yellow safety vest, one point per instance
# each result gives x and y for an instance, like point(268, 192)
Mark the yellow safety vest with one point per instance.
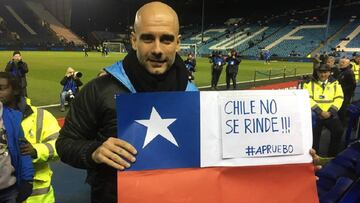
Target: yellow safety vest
point(331, 96)
point(41, 129)
point(356, 69)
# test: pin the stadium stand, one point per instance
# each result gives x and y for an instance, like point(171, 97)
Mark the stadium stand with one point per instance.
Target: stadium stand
point(300, 32)
point(61, 31)
point(355, 41)
point(188, 31)
point(5, 34)
point(209, 34)
point(350, 41)
point(254, 51)
point(237, 39)
point(24, 27)
point(100, 36)
point(339, 41)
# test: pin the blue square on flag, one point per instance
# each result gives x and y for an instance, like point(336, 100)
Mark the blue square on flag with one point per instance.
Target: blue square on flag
point(164, 128)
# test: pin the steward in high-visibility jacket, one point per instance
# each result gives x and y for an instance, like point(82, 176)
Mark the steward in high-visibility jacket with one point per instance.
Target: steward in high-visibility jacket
point(41, 130)
point(326, 98)
point(356, 67)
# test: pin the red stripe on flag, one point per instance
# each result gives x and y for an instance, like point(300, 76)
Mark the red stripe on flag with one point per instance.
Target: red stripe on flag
point(270, 184)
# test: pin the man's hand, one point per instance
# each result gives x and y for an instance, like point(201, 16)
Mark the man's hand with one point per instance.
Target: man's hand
point(116, 153)
point(316, 160)
point(28, 149)
point(325, 115)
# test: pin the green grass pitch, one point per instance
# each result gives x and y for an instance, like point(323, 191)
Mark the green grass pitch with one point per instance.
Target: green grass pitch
point(46, 69)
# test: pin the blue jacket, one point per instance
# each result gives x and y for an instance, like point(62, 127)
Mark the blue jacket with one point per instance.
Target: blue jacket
point(190, 64)
point(71, 83)
point(217, 62)
point(117, 70)
point(24, 170)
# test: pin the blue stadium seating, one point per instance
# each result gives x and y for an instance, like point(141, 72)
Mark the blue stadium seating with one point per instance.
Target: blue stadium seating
point(348, 28)
point(313, 39)
point(354, 114)
point(339, 179)
point(280, 31)
point(228, 40)
point(355, 42)
point(353, 194)
point(337, 191)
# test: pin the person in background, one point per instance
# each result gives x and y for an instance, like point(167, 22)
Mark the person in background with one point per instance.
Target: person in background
point(86, 49)
point(316, 64)
point(18, 68)
point(323, 57)
point(190, 64)
point(106, 50)
point(326, 98)
point(347, 81)
point(330, 61)
point(71, 82)
point(356, 66)
point(232, 69)
point(102, 49)
point(267, 56)
point(16, 170)
point(217, 63)
point(303, 80)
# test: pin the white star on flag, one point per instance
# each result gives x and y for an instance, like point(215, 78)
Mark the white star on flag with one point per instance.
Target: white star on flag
point(157, 126)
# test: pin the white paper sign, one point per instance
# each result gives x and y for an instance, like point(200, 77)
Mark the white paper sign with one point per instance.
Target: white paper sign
point(258, 125)
point(272, 124)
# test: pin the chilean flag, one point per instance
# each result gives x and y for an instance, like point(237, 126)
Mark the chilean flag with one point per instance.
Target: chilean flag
point(181, 155)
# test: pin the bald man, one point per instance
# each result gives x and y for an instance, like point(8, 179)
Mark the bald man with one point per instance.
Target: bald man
point(88, 137)
point(347, 81)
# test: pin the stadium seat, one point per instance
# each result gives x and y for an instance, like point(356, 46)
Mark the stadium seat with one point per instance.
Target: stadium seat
point(354, 113)
point(353, 194)
point(337, 191)
point(338, 176)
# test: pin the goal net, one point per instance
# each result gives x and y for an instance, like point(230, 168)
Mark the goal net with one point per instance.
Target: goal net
point(115, 46)
point(186, 49)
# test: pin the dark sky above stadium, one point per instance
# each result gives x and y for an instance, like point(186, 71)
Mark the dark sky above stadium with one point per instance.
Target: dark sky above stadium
point(115, 15)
